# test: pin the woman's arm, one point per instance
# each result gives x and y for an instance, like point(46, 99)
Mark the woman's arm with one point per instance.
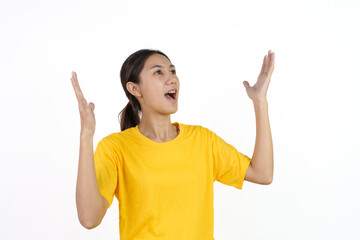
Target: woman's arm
point(91, 205)
point(261, 167)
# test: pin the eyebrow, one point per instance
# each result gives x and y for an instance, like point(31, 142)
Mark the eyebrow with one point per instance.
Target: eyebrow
point(161, 66)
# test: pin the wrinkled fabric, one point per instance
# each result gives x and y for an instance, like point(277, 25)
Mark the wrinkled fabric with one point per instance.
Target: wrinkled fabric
point(165, 190)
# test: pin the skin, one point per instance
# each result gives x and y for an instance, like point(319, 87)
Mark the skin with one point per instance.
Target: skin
point(261, 167)
point(156, 125)
point(91, 205)
point(155, 121)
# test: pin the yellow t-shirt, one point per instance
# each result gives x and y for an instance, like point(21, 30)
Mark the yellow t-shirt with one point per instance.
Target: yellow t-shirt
point(165, 190)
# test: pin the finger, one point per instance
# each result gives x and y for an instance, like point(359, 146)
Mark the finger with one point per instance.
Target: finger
point(92, 106)
point(263, 66)
point(267, 65)
point(78, 92)
point(74, 75)
point(76, 83)
point(73, 82)
point(76, 89)
point(246, 84)
point(273, 58)
point(271, 61)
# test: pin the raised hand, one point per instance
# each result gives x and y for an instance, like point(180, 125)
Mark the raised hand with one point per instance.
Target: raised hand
point(86, 110)
point(259, 90)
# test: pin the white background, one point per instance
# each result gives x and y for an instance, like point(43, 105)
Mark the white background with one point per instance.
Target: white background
point(215, 45)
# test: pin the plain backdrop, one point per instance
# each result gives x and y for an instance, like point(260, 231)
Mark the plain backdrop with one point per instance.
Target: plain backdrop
point(313, 102)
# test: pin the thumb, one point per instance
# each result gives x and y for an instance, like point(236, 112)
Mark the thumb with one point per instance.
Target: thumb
point(246, 84)
point(92, 106)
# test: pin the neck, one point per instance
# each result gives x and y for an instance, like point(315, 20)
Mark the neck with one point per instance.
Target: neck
point(158, 128)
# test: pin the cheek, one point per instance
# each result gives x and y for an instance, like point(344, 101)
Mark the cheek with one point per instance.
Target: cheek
point(152, 91)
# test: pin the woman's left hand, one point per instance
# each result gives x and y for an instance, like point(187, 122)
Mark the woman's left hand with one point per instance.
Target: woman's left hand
point(259, 90)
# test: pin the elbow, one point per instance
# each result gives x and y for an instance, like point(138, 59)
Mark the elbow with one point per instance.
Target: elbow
point(268, 177)
point(268, 180)
point(89, 224)
point(90, 219)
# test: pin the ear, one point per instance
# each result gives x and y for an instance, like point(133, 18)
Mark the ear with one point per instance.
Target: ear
point(134, 89)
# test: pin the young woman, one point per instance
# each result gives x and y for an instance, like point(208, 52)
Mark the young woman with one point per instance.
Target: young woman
point(162, 173)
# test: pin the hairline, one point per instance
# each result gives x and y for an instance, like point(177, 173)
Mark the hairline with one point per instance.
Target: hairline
point(160, 66)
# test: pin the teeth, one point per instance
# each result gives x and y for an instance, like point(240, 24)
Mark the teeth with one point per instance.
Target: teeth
point(173, 91)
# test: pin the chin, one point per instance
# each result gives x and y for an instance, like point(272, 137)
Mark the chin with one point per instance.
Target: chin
point(173, 111)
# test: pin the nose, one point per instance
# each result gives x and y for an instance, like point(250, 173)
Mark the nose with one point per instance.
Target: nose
point(172, 79)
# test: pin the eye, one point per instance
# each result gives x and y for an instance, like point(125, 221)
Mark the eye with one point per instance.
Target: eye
point(158, 71)
point(173, 71)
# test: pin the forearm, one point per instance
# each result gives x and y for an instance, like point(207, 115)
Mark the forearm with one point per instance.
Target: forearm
point(90, 203)
point(262, 159)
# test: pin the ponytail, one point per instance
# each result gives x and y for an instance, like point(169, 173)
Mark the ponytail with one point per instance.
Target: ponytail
point(129, 117)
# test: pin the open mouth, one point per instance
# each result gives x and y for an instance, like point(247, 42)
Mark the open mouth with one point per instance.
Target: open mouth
point(171, 95)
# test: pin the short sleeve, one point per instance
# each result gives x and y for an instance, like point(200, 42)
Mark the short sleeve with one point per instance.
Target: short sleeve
point(230, 165)
point(105, 160)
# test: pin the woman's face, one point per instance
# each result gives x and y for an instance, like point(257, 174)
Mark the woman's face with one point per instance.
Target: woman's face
point(157, 78)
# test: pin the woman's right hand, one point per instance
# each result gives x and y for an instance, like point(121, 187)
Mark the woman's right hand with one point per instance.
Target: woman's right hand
point(86, 110)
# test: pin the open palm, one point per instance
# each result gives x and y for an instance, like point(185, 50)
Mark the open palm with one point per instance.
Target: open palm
point(259, 90)
point(86, 110)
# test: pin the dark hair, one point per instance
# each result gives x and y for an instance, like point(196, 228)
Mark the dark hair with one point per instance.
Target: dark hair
point(130, 72)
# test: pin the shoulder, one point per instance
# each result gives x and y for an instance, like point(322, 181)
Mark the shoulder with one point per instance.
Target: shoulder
point(116, 139)
point(197, 129)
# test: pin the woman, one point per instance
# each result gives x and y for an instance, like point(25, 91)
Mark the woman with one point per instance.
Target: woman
point(162, 173)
